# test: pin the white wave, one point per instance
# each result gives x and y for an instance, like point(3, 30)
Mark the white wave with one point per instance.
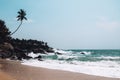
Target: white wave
point(66, 57)
point(86, 53)
point(103, 68)
point(60, 51)
point(33, 55)
point(104, 64)
point(50, 54)
point(108, 57)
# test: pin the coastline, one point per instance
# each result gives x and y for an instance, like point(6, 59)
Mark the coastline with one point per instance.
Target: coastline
point(14, 70)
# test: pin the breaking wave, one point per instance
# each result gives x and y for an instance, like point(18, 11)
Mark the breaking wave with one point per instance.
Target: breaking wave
point(94, 62)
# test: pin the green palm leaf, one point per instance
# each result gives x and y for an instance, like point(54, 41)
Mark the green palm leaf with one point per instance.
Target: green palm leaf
point(20, 17)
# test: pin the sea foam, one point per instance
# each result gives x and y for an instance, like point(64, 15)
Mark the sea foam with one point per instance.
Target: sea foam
point(91, 68)
point(107, 66)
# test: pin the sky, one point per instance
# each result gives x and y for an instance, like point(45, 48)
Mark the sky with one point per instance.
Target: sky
point(66, 24)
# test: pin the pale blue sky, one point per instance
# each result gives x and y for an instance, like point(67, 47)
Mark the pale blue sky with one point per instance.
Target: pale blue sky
point(67, 24)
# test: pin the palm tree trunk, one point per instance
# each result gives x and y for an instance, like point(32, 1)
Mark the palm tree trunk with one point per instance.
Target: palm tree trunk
point(16, 29)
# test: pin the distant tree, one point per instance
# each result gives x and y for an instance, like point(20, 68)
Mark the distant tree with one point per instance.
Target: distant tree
point(21, 17)
point(4, 32)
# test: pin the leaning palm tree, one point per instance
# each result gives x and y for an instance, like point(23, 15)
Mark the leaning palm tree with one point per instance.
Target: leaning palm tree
point(21, 17)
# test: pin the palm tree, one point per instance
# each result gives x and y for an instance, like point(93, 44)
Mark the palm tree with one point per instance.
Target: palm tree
point(21, 17)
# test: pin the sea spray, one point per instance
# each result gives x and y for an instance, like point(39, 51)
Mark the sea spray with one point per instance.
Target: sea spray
point(94, 62)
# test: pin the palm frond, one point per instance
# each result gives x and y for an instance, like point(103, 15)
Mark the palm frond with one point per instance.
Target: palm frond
point(25, 18)
point(21, 15)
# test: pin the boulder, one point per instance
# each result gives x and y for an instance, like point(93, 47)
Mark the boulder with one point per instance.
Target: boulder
point(39, 58)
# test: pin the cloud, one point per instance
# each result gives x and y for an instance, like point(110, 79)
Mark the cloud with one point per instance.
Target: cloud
point(106, 24)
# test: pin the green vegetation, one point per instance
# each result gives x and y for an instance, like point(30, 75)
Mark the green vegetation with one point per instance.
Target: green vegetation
point(4, 32)
point(16, 48)
point(21, 17)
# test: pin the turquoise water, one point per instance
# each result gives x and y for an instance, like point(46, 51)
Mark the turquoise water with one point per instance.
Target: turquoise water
point(93, 62)
point(87, 55)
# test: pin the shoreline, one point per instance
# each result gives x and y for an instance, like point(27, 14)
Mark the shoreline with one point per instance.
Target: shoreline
point(17, 71)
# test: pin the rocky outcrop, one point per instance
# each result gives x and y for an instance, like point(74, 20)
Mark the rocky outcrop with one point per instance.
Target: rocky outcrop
point(31, 46)
point(19, 49)
point(6, 50)
point(39, 58)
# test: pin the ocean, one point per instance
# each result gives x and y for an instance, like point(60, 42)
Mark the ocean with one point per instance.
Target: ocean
point(93, 62)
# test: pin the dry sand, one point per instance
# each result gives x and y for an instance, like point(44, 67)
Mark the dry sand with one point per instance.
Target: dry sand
point(4, 76)
point(12, 70)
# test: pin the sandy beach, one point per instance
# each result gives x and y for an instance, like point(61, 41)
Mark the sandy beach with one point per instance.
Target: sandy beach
point(4, 76)
point(13, 70)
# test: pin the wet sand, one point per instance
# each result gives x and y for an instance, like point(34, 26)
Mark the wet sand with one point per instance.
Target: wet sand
point(13, 70)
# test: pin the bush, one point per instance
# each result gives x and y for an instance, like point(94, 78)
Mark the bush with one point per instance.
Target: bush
point(4, 32)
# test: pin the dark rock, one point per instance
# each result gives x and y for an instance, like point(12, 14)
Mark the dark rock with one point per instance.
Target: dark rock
point(39, 50)
point(31, 46)
point(82, 53)
point(58, 53)
point(50, 50)
point(6, 50)
point(21, 56)
point(39, 58)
